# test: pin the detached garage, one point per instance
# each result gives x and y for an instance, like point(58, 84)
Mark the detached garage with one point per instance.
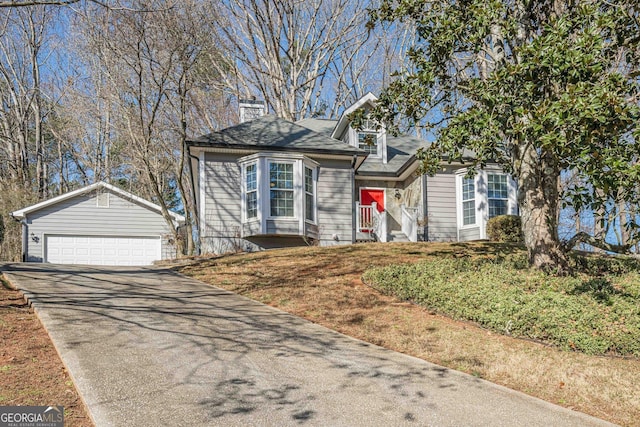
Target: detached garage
point(98, 225)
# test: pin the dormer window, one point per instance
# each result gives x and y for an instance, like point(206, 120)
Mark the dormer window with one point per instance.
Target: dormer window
point(370, 138)
point(368, 141)
point(367, 135)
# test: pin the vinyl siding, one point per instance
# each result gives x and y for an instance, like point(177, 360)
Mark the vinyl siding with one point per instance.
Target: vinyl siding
point(469, 234)
point(335, 203)
point(222, 196)
point(441, 206)
point(251, 228)
point(283, 226)
point(80, 215)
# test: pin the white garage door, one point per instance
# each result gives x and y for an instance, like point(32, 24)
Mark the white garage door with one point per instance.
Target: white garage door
point(102, 250)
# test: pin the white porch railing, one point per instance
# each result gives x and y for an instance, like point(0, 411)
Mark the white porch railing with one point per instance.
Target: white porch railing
point(410, 223)
point(369, 220)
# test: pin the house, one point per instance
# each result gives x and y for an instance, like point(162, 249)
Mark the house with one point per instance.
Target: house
point(269, 182)
point(99, 224)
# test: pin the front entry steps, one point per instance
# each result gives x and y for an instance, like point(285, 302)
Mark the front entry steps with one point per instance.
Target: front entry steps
point(362, 237)
point(394, 236)
point(397, 236)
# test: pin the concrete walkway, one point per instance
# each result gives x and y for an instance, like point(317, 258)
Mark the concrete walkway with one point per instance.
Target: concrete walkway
point(148, 347)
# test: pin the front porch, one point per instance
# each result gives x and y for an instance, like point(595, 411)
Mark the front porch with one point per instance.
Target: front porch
point(372, 224)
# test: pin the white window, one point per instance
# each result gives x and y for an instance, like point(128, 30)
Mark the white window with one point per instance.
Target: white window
point(490, 193)
point(309, 195)
point(497, 194)
point(468, 201)
point(368, 137)
point(368, 141)
point(278, 187)
point(281, 189)
point(251, 191)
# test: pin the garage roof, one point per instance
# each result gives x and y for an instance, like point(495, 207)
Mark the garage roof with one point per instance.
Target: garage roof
point(20, 214)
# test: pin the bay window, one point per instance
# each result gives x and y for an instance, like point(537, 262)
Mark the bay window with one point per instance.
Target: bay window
point(251, 191)
point(279, 193)
point(498, 194)
point(281, 189)
point(468, 201)
point(309, 194)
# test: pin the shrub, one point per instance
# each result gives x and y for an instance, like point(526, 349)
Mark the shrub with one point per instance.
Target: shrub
point(591, 314)
point(505, 228)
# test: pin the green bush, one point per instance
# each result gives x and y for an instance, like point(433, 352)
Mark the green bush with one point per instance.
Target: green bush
point(505, 228)
point(592, 314)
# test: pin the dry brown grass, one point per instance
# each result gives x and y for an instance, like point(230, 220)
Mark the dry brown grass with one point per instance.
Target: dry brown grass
point(31, 372)
point(323, 285)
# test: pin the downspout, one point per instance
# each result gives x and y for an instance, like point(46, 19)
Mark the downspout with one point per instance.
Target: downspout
point(425, 229)
point(25, 240)
point(353, 198)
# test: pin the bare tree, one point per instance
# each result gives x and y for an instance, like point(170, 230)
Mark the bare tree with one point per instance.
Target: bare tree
point(153, 78)
point(23, 36)
point(107, 4)
point(285, 50)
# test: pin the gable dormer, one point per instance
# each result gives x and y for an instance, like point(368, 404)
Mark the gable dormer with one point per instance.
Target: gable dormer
point(368, 138)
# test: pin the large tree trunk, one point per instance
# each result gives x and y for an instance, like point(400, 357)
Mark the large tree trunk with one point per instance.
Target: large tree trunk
point(538, 199)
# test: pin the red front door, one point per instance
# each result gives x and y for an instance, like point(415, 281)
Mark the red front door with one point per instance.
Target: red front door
point(368, 196)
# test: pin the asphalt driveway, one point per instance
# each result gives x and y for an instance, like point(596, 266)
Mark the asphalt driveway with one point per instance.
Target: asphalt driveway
point(148, 347)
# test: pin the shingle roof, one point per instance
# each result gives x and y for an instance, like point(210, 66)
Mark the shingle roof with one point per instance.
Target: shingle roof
point(20, 214)
point(400, 149)
point(273, 133)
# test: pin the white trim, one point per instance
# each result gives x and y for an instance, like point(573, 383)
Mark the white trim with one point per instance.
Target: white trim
point(482, 202)
point(298, 189)
point(459, 179)
point(289, 154)
point(20, 214)
point(243, 189)
point(382, 145)
point(314, 184)
point(344, 121)
point(296, 179)
point(263, 160)
point(513, 195)
point(263, 201)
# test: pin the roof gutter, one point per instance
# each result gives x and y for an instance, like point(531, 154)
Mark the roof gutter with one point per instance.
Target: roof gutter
point(353, 198)
point(258, 148)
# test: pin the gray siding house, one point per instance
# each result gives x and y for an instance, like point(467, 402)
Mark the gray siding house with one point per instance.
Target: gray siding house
point(99, 224)
point(268, 182)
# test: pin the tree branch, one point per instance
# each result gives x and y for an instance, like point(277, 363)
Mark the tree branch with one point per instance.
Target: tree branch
point(18, 3)
point(24, 3)
point(583, 237)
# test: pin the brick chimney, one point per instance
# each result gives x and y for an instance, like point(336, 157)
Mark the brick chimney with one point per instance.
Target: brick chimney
point(251, 109)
